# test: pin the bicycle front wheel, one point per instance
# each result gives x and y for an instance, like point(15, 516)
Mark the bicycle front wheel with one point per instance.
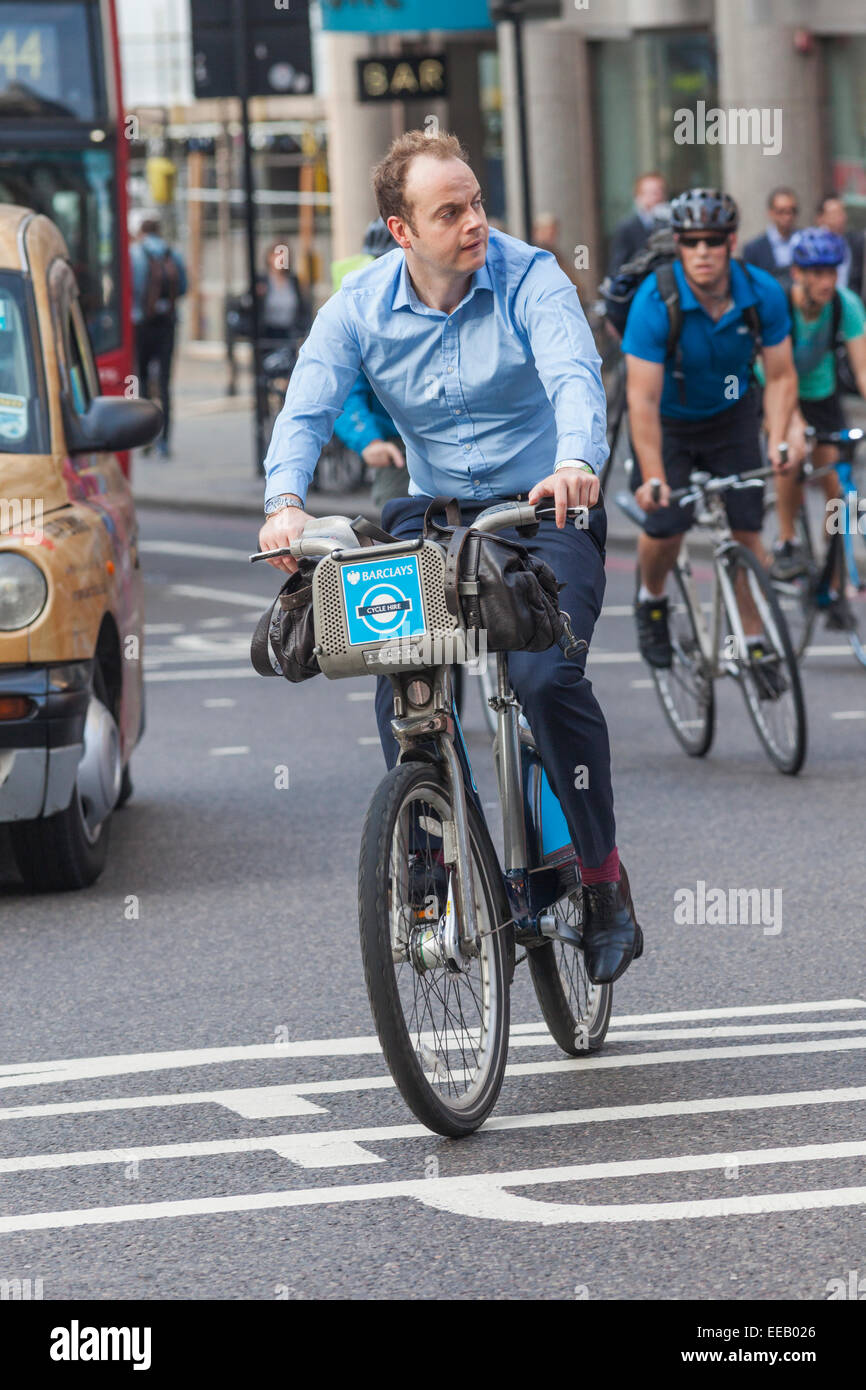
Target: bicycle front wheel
point(685, 688)
point(770, 684)
point(443, 1029)
point(576, 1011)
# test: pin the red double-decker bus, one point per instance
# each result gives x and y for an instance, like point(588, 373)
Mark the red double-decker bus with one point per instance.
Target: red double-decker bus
point(63, 152)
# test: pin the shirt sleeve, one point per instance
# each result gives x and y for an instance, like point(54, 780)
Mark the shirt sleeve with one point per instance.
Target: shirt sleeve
point(772, 310)
point(853, 315)
point(326, 370)
point(548, 310)
point(646, 329)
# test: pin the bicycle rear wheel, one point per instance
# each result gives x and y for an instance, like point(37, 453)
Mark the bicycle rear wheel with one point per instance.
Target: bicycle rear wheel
point(855, 583)
point(771, 687)
point(685, 689)
point(443, 1030)
point(576, 1011)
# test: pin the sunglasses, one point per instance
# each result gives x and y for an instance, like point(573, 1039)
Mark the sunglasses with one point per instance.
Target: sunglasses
point(710, 239)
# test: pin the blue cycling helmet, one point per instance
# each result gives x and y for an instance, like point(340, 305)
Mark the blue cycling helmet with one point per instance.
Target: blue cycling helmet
point(817, 246)
point(704, 210)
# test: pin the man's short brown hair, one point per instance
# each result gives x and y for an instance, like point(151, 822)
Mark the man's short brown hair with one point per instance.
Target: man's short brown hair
point(389, 175)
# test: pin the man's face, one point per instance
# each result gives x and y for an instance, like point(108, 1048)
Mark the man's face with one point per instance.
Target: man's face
point(819, 282)
point(704, 262)
point(449, 228)
point(650, 193)
point(783, 214)
point(834, 217)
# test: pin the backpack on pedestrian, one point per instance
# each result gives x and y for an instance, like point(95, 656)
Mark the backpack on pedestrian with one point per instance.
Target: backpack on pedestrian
point(162, 286)
point(659, 254)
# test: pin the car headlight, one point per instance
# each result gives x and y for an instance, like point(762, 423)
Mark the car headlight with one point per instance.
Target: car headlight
point(23, 592)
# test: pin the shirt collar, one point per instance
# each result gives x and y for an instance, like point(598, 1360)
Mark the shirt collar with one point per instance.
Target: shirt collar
point(406, 298)
point(774, 236)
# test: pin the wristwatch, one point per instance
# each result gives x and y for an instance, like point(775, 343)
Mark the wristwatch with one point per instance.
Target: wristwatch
point(285, 499)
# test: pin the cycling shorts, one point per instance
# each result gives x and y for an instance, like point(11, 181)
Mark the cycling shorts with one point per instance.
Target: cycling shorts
point(728, 442)
point(825, 415)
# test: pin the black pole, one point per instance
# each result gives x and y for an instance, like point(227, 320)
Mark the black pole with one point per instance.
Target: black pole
point(520, 83)
point(241, 40)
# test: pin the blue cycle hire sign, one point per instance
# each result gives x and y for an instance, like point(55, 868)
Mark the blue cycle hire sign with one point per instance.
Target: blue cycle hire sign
point(397, 16)
point(383, 600)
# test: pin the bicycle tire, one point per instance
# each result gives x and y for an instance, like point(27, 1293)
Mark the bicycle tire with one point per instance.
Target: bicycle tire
point(693, 728)
point(386, 976)
point(852, 575)
point(790, 762)
point(559, 977)
point(797, 596)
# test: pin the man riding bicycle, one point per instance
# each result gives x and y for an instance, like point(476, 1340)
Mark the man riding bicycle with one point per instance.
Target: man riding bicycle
point(477, 346)
point(821, 315)
point(691, 403)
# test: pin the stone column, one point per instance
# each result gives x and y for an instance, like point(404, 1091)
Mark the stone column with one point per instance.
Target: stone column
point(358, 135)
point(759, 67)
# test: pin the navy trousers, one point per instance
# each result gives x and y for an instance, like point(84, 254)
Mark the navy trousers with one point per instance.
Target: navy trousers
point(557, 699)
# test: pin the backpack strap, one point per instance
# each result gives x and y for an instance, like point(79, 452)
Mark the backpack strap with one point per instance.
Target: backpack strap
point(836, 338)
point(752, 320)
point(369, 533)
point(790, 298)
point(669, 290)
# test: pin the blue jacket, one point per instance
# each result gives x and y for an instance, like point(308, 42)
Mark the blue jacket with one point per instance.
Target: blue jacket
point(363, 418)
point(138, 258)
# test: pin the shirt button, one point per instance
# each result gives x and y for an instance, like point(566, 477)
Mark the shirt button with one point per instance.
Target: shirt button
point(458, 410)
point(449, 370)
point(467, 447)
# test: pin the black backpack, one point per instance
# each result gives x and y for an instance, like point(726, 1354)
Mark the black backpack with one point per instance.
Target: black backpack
point(162, 286)
point(845, 378)
point(659, 254)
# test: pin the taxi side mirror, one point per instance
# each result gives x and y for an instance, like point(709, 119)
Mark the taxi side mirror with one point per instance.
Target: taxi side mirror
point(112, 424)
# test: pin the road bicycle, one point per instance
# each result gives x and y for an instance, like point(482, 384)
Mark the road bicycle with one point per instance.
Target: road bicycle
point(705, 649)
point(440, 918)
point(838, 574)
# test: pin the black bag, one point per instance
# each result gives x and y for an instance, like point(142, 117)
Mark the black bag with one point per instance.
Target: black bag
point(494, 584)
point(284, 639)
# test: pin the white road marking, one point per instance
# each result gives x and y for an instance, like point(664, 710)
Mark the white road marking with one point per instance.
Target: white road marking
point(642, 684)
point(56, 1070)
point(211, 674)
point(361, 695)
point(229, 752)
point(369, 740)
point(251, 1102)
point(849, 714)
point(342, 1147)
point(612, 658)
point(215, 623)
point(218, 595)
point(195, 552)
point(219, 704)
point(478, 1195)
point(160, 629)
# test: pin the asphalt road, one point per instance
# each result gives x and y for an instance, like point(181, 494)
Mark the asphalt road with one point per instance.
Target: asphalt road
point(194, 1104)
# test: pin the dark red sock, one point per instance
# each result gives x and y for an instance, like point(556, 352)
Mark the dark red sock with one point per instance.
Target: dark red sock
point(606, 872)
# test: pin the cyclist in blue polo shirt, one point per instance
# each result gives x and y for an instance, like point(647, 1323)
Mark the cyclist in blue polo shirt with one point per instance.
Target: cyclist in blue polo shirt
point(693, 333)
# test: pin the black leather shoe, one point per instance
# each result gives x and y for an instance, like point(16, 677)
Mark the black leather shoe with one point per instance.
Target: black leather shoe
point(653, 636)
point(612, 938)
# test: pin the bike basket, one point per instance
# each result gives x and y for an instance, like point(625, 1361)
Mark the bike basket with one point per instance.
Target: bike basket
point(381, 609)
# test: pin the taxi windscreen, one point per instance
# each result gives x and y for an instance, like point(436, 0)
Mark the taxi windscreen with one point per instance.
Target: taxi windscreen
point(22, 413)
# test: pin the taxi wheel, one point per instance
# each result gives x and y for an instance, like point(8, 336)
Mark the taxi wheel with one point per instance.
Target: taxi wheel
point(69, 850)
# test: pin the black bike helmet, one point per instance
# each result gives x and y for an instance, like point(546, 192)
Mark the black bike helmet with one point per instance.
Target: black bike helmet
point(704, 210)
point(377, 239)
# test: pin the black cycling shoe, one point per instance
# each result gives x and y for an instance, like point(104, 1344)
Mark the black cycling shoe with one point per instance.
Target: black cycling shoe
point(767, 669)
point(840, 615)
point(790, 560)
point(612, 938)
point(653, 636)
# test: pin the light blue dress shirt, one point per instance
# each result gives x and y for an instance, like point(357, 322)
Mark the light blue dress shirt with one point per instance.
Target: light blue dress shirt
point(487, 398)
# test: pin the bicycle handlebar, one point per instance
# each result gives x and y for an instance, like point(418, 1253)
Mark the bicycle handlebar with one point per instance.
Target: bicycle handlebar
point(496, 518)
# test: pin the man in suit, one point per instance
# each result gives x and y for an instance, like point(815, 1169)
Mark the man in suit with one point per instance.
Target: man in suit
point(774, 249)
point(832, 214)
point(631, 235)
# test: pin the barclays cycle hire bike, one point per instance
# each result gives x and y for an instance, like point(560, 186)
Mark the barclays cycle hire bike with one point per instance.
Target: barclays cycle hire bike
point(439, 916)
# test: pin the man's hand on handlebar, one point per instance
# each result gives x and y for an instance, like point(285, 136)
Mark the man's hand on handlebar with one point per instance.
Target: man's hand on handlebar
point(280, 530)
point(569, 487)
point(653, 494)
